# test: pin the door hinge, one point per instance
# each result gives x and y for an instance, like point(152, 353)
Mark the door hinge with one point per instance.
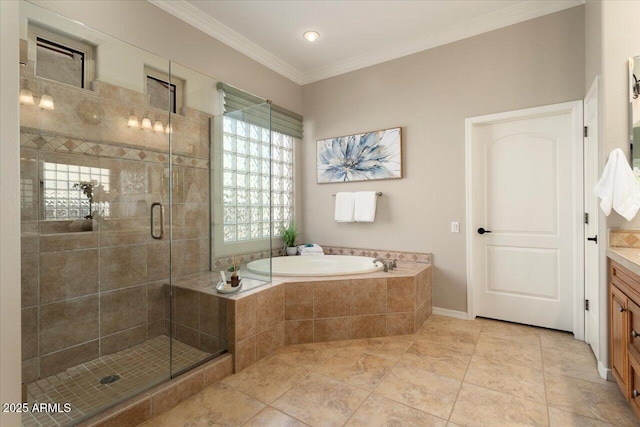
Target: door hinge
point(586, 305)
point(586, 218)
point(586, 131)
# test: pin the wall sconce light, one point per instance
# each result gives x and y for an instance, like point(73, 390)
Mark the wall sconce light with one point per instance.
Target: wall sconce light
point(133, 120)
point(157, 126)
point(46, 101)
point(26, 96)
point(169, 128)
point(146, 122)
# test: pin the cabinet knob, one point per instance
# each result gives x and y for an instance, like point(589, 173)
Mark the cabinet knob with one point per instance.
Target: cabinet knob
point(622, 310)
point(634, 334)
point(635, 393)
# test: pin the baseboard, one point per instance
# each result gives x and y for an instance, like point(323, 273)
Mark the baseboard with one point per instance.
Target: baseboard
point(450, 313)
point(605, 373)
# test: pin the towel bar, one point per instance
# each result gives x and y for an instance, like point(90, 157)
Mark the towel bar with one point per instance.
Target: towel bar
point(379, 193)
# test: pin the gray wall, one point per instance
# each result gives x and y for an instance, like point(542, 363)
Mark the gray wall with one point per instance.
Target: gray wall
point(430, 94)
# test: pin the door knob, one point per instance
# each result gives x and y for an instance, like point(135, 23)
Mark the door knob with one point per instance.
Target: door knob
point(482, 231)
point(593, 239)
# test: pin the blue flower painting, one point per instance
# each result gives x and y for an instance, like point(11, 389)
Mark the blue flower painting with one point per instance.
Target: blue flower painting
point(361, 157)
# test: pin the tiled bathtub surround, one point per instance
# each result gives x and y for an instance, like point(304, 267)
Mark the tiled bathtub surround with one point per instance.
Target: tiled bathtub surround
point(292, 310)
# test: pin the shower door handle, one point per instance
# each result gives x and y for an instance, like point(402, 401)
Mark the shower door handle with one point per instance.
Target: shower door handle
point(161, 235)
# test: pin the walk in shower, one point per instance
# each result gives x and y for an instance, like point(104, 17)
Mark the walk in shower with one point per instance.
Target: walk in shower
point(127, 190)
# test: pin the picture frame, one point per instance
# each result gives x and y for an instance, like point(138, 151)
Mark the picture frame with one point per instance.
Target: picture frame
point(367, 156)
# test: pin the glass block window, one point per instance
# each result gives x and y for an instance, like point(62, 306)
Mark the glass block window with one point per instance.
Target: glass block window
point(253, 167)
point(64, 196)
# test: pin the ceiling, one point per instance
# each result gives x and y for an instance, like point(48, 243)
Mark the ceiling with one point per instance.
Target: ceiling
point(353, 34)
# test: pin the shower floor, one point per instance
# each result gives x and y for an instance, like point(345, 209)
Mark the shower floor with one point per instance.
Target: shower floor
point(80, 386)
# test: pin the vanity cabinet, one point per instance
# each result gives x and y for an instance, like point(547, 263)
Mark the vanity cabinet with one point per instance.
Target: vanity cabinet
point(624, 333)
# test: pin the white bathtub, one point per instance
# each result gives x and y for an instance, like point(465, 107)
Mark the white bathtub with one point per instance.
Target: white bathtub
point(312, 265)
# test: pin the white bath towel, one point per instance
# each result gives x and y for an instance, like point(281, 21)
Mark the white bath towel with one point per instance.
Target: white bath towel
point(365, 209)
point(345, 203)
point(618, 187)
point(310, 250)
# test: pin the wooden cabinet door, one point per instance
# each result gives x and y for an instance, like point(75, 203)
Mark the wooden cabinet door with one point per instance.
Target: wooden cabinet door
point(634, 325)
point(634, 387)
point(618, 337)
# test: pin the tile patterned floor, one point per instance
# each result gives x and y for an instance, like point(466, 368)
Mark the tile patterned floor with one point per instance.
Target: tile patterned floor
point(451, 373)
point(138, 367)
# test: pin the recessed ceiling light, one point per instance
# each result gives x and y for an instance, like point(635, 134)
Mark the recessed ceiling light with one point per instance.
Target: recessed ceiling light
point(311, 36)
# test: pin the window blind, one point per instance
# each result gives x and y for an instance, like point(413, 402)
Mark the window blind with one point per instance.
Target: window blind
point(236, 104)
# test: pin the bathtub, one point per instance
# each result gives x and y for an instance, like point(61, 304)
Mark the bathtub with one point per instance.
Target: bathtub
point(315, 265)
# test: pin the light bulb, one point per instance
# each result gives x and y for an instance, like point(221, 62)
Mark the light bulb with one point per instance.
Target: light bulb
point(133, 120)
point(26, 97)
point(157, 126)
point(311, 36)
point(146, 122)
point(46, 102)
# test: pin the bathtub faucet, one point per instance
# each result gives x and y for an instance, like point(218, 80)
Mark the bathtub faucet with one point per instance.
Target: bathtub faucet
point(386, 266)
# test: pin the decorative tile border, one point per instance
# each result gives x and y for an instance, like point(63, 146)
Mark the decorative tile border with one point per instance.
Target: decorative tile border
point(424, 258)
point(624, 238)
point(224, 262)
point(46, 141)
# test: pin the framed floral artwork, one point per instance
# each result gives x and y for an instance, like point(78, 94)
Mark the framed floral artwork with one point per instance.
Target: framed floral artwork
point(360, 157)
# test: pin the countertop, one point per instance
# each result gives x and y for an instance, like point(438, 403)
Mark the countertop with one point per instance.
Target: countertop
point(629, 258)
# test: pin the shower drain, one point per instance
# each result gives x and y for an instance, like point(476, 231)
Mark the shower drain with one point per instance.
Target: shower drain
point(110, 379)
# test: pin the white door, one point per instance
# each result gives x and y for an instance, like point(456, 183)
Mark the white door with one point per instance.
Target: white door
point(524, 204)
point(591, 261)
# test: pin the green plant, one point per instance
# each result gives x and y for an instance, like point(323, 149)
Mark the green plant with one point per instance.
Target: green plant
point(288, 234)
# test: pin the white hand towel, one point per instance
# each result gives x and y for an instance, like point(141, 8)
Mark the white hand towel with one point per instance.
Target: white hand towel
point(618, 187)
point(345, 203)
point(311, 249)
point(365, 210)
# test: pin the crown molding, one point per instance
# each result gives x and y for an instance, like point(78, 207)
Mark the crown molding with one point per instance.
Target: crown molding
point(472, 27)
point(193, 16)
point(518, 13)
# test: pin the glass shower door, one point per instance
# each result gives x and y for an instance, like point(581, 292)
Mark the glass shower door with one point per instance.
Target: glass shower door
point(96, 164)
point(198, 318)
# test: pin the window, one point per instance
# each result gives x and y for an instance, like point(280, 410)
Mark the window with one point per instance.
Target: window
point(62, 58)
point(162, 94)
point(69, 191)
point(252, 169)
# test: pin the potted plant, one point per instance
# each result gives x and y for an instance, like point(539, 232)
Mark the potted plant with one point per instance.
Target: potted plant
point(288, 234)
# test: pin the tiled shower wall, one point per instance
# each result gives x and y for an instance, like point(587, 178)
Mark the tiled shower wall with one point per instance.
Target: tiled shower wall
point(89, 294)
